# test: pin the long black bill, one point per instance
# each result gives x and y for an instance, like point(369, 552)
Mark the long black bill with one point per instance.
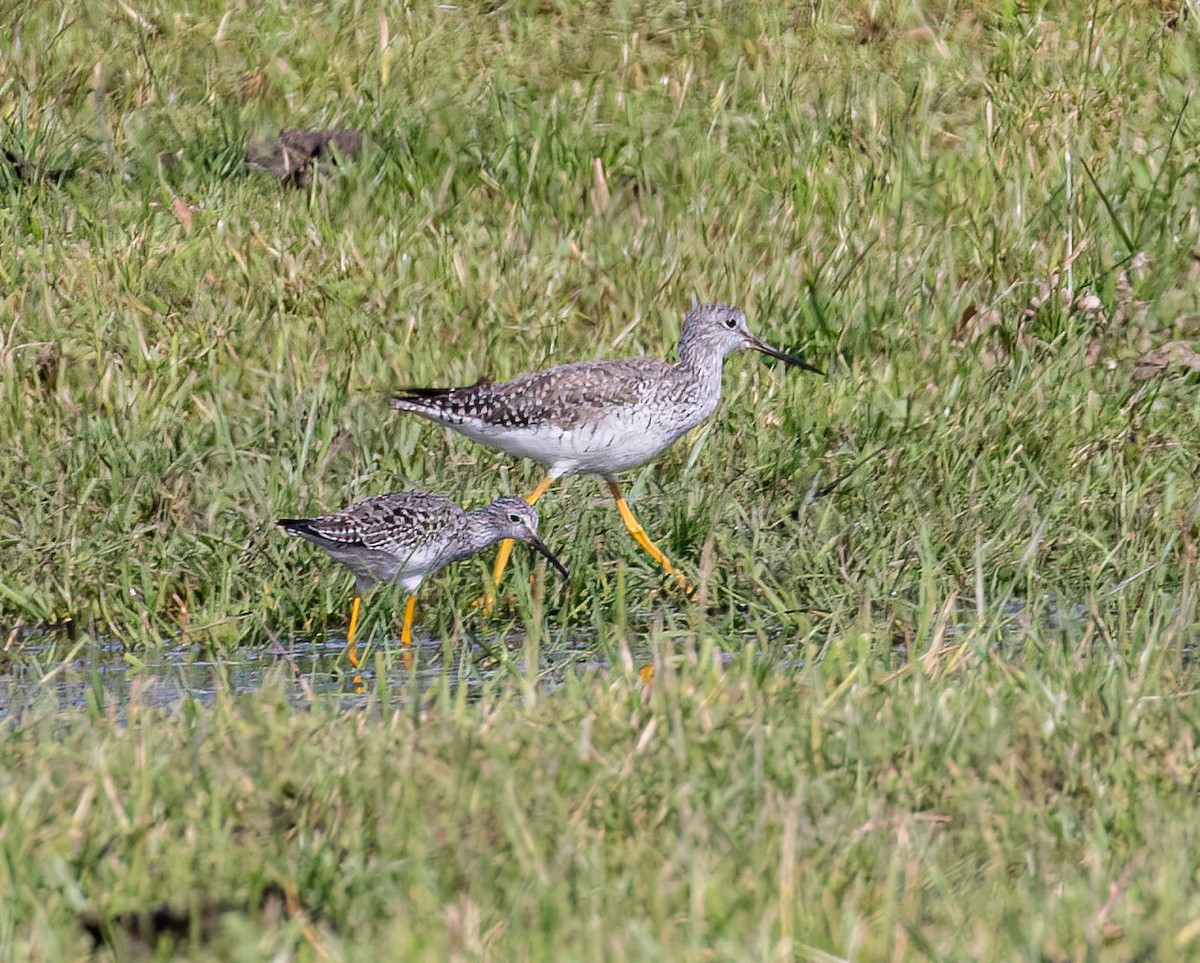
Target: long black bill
point(791, 359)
point(538, 544)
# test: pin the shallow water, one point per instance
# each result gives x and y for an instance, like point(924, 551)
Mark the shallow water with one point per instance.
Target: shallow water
point(75, 674)
point(103, 673)
point(66, 675)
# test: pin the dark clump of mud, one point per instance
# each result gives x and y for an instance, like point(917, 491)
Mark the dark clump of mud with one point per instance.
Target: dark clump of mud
point(296, 156)
point(26, 170)
point(293, 157)
point(143, 933)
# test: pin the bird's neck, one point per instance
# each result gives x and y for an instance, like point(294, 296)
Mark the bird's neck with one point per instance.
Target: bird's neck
point(702, 363)
point(479, 535)
point(700, 351)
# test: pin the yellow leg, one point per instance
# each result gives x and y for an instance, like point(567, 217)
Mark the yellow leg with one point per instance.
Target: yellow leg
point(351, 648)
point(506, 548)
point(634, 527)
point(410, 611)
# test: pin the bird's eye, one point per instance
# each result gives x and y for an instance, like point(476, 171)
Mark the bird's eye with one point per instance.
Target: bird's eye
point(514, 517)
point(731, 322)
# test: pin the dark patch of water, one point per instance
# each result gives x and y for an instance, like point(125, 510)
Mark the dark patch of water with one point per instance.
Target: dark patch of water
point(72, 675)
point(58, 672)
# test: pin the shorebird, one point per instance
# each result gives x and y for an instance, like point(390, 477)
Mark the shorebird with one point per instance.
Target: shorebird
point(406, 536)
point(599, 417)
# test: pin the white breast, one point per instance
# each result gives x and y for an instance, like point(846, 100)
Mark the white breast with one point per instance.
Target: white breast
point(619, 441)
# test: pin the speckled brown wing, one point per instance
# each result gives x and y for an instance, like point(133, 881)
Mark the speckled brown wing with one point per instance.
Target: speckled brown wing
point(390, 522)
point(565, 395)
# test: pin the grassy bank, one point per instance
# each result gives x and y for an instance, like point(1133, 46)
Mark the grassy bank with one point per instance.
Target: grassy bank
point(1039, 811)
point(959, 703)
point(888, 195)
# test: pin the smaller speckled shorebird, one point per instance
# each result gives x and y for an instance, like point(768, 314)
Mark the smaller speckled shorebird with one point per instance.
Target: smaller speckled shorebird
point(599, 417)
point(406, 536)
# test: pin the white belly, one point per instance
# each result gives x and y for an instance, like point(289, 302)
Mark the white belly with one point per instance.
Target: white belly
point(605, 447)
point(409, 569)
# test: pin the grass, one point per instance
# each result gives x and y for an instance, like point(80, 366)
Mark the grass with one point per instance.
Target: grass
point(977, 217)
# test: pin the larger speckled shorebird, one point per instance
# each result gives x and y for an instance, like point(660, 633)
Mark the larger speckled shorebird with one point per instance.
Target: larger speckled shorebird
point(599, 417)
point(407, 536)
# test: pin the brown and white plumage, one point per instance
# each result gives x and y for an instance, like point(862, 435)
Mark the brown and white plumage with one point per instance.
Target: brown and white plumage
point(599, 417)
point(406, 536)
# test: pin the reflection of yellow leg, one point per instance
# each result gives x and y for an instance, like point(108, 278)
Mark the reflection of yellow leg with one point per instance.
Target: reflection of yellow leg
point(351, 648)
point(410, 611)
point(506, 548)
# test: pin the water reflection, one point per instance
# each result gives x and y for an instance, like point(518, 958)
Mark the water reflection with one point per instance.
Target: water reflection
point(55, 672)
point(103, 673)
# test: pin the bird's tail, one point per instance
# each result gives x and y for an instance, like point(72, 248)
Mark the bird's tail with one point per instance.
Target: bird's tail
point(296, 526)
point(404, 397)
